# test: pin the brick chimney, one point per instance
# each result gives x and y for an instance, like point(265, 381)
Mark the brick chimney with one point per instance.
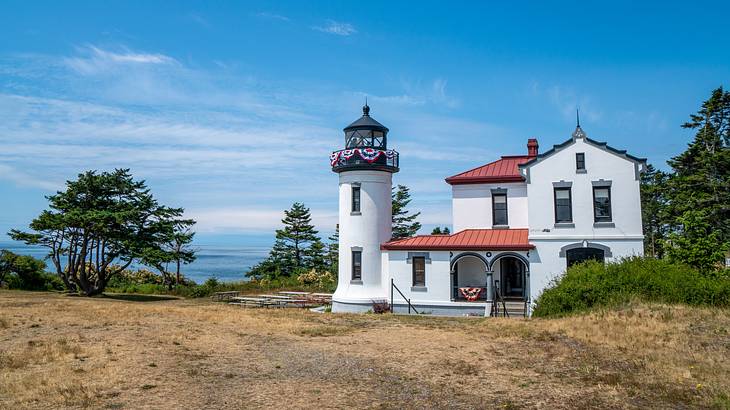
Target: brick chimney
point(532, 147)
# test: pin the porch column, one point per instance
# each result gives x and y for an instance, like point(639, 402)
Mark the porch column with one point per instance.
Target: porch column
point(527, 292)
point(490, 286)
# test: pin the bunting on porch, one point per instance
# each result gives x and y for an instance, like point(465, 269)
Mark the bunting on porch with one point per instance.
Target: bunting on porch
point(471, 294)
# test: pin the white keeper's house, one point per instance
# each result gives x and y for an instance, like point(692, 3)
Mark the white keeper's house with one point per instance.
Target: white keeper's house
point(518, 222)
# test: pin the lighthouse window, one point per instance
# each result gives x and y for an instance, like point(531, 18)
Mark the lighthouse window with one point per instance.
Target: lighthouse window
point(356, 199)
point(356, 265)
point(419, 271)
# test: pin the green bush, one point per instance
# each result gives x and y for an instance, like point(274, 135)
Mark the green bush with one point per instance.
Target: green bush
point(26, 272)
point(212, 285)
point(593, 284)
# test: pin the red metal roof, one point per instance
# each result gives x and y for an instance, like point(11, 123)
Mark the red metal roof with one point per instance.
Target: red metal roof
point(502, 170)
point(468, 239)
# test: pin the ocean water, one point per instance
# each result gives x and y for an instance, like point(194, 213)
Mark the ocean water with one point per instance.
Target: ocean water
point(225, 263)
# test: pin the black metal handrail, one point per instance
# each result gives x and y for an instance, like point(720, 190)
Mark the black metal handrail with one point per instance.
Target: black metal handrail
point(392, 286)
point(497, 299)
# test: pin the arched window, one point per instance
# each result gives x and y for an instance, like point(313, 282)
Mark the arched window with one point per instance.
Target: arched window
point(578, 255)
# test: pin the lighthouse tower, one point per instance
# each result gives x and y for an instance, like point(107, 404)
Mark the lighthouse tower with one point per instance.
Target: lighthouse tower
point(365, 168)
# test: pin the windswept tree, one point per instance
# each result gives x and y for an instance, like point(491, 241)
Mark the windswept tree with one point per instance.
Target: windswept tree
point(98, 226)
point(173, 246)
point(404, 225)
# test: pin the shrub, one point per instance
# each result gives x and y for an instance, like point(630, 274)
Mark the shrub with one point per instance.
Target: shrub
point(381, 306)
point(26, 272)
point(593, 284)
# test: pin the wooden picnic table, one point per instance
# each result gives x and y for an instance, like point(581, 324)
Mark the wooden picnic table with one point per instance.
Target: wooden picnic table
point(261, 302)
point(225, 295)
point(274, 296)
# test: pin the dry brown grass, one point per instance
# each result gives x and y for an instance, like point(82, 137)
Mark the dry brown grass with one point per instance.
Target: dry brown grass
point(74, 352)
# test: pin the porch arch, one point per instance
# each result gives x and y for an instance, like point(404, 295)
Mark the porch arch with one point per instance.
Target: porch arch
point(522, 258)
point(472, 254)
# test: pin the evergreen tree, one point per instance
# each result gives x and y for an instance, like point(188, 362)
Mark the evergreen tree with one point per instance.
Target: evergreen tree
point(438, 231)
point(654, 210)
point(316, 256)
point(333, 250)
point(297, 234)
point(696, 244)
point(404, 225)
point(701, 179)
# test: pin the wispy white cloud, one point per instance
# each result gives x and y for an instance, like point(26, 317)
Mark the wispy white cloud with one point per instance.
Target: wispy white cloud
point(94, 59)
point(199, 19)
point(24, 179)
point(272, 16)
point(221, 220)
point(231, 149)
point(566, 101)
point(337, 28)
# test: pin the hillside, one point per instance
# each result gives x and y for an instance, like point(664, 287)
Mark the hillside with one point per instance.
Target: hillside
point(60, 351)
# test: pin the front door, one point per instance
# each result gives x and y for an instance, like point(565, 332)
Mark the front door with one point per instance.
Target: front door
point(513, 277)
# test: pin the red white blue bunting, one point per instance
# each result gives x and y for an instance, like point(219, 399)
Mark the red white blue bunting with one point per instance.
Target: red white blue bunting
point(370, 155)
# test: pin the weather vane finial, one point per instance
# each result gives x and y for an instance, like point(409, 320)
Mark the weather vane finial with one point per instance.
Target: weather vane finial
point(577, 117)
point(366, 108)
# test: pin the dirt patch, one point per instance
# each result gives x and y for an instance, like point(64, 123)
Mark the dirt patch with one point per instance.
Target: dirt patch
point(108, 353)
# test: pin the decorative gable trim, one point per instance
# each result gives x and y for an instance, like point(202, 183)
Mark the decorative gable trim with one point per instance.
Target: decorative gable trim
point(639, 163)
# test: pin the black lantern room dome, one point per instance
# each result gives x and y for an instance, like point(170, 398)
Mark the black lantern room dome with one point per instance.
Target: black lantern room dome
point(366, 132)
point(366, 147)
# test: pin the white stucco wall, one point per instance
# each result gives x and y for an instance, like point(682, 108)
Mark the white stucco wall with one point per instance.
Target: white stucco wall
point(366, 231)
point(438, 277)
point(600, 164)
point(546, 263)
point(472, 205)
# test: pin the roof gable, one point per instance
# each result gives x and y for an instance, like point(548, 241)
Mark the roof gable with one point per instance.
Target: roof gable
point(579, 134)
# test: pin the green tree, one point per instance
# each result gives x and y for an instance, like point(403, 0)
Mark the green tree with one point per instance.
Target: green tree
point(438, 231)
point(404, 225)
point(701, 178)
point(654, 204)
point(98, 226)
point(298, 233)
point(316, 256)
point(173, 246)
point(333, 250)
point(697, 243)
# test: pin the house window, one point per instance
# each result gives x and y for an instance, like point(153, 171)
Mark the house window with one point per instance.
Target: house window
point(602, 204)
point(580, 161)
point(563, 206)
point(356, 199)
point(499, 209)
point(356, 265)
point(419, 271)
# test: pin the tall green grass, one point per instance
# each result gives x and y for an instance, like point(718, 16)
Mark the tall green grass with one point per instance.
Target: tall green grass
point(593, 284)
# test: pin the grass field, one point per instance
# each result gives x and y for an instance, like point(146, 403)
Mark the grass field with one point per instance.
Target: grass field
point(60, 351)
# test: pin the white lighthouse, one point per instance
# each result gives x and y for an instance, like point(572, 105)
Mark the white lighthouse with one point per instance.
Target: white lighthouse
point(365, 168)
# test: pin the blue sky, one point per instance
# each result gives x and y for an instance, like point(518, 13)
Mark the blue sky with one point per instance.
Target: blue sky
point(230, 109)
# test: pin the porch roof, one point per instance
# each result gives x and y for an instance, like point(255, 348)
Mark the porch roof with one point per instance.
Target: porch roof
point(468, 239)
